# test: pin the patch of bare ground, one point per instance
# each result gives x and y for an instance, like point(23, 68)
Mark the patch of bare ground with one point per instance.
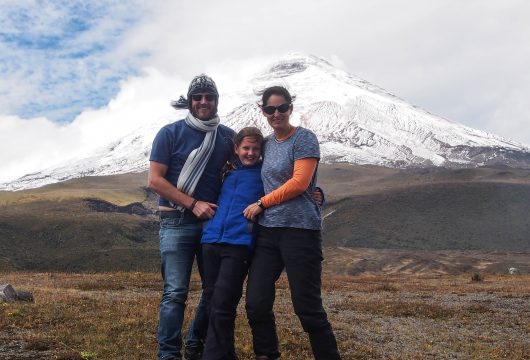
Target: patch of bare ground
point(356, 261)
point(398, 316)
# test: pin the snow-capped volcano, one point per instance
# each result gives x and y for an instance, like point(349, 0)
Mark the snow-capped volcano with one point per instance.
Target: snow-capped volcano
point(355, 122)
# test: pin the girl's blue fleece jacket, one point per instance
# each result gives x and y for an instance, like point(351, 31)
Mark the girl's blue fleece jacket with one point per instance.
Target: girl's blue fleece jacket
point(241, 187)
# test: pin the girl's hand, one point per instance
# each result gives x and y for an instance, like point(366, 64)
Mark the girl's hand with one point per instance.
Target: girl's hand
point(252, 211)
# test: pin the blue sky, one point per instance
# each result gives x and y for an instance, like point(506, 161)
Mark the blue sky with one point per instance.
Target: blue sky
point(66, 66)
point(59, 56)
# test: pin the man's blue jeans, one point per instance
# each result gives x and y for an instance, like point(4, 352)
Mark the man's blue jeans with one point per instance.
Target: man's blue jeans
point(179, 244)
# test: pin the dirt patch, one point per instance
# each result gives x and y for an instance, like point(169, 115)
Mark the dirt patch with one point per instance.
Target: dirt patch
point(356, 261)
point(14, 346)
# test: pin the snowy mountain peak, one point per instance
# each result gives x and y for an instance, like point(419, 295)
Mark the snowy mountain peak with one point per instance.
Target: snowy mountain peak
point(355, 121)
point(294, 63)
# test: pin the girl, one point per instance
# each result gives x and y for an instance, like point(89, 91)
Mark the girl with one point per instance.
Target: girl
point(289, 233)
point(227, 241)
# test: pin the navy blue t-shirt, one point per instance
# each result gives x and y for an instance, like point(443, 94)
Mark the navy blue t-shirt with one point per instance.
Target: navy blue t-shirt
point(171, 147)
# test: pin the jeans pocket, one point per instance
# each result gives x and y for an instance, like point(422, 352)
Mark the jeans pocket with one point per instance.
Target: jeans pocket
point(170, 223)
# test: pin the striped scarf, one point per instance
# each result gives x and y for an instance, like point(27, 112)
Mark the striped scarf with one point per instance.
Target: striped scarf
point(198, 158)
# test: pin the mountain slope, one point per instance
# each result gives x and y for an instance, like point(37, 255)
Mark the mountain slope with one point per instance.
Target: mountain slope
point(355, 121)
point(109, 222)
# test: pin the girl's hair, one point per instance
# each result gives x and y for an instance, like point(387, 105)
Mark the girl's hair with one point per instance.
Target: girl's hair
point(276, 90)
point(249, 131)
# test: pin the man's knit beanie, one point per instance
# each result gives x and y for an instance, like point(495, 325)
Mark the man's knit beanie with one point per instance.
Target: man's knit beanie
point(200, 83)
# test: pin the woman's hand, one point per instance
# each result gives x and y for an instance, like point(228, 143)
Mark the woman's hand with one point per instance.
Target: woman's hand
point(252, 211)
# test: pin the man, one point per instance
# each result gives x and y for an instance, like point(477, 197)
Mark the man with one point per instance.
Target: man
point(185, 170)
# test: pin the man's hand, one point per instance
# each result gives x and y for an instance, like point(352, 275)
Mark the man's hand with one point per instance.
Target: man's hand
point(252, 211)
point(204, 210)
point(317, 196)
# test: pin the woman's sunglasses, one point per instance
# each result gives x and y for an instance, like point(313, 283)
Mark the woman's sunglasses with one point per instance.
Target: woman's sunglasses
point(272, 109)
point(198, 97)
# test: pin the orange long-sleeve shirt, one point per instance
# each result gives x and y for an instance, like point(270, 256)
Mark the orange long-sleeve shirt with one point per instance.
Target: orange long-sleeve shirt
point(302, 175)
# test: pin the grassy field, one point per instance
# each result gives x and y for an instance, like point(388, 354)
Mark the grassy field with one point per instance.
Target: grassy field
point(413, 303)
point(114, 316)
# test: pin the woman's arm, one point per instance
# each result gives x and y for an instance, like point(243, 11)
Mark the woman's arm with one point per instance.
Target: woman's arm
point(302, 174)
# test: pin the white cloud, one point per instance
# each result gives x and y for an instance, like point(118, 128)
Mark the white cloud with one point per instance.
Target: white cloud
point(28, 145)
point(59, 57)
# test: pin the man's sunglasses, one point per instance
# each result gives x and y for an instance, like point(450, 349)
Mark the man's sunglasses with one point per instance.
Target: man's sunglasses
point(272, 109)
point(198, 97)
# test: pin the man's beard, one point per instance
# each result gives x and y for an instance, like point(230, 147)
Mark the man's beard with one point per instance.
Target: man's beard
point(213, 113)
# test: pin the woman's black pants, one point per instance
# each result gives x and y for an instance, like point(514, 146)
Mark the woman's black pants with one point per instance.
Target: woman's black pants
point(299, 251)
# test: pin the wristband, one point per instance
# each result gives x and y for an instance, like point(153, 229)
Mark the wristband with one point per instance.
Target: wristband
point(193, 203)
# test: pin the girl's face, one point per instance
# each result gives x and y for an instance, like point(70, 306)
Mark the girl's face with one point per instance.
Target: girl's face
point(249, 151)
point(279, 121)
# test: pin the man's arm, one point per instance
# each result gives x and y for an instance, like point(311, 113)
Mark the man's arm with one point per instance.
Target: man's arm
point(158, 183)
point(318, 196)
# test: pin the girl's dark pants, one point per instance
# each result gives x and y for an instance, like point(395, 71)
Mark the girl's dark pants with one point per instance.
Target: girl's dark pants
point(225, 270)
point(300, 252)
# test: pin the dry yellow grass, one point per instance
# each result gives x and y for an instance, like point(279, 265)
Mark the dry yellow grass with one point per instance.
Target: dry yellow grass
point(120, 189)
point(114, 316)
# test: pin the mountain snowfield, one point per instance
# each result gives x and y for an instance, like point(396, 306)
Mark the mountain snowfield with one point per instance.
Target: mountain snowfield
point(355, 122)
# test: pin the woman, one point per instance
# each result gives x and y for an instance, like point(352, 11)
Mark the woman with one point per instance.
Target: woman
point(289, 233)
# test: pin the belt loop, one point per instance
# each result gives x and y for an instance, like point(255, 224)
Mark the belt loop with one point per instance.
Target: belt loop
point(181, 219)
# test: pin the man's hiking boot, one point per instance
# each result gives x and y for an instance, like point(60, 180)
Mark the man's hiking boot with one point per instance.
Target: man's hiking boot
point(193, 353)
